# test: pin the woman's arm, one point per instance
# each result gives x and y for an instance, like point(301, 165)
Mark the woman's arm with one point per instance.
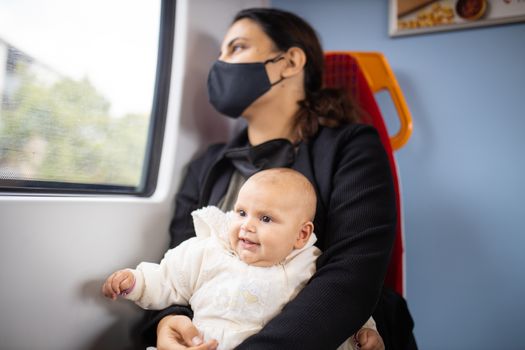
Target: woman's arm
point(358, 237)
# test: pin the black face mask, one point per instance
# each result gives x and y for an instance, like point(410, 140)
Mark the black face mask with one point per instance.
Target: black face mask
point(232, 87)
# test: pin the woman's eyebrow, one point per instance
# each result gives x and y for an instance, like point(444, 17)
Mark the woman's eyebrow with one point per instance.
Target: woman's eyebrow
point(230, 43)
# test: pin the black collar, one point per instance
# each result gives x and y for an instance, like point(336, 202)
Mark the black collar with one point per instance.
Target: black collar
point(278, 153)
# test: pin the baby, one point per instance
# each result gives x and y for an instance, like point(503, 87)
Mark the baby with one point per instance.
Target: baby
point(243, 266)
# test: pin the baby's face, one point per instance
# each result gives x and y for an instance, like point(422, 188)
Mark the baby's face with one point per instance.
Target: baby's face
point(267, 224)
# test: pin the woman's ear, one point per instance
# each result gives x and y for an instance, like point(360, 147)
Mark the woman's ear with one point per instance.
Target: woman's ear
point(304, 235)
point(296, 60)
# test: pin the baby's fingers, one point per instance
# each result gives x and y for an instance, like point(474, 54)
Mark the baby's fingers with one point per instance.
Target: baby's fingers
point(127, 283)
point(122, 282)
point(107, 288)
point(116, 280)
point(369, 339)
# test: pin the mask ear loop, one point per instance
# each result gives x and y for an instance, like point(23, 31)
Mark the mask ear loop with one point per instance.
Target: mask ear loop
point(273, 60)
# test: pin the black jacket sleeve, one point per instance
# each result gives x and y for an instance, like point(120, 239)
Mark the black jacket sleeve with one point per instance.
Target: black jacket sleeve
point(357, 241)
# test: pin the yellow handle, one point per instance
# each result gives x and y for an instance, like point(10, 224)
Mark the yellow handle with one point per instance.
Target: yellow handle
point(379, 76)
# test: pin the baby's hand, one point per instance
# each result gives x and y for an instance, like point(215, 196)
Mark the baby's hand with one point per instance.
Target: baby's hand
point(369, 339)
point(119, 283)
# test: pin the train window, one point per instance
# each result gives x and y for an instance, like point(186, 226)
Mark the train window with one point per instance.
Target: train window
point(83, 89)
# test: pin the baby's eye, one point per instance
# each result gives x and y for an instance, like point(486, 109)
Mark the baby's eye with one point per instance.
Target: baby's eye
point(266, 218)
point(241, 212)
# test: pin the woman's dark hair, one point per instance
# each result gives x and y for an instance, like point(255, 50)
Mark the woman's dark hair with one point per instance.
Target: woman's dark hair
point(321, 106)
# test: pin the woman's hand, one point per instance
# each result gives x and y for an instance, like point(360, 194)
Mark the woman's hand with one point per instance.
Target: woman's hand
point(369, 339)
point(177, 332)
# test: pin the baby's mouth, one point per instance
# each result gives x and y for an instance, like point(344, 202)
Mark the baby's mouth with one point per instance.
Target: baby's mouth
point(247, 244)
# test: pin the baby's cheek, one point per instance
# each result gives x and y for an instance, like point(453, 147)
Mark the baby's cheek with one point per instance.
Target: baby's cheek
point(234, 227)
point(233, 231)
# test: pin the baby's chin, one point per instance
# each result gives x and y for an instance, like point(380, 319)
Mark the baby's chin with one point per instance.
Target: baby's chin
point(253, 261)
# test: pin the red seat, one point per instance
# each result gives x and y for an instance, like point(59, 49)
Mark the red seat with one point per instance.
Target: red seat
point(343, 70)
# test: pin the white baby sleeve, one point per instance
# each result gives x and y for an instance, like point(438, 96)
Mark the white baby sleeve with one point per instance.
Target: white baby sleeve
point(158, 286)
point(370, 323)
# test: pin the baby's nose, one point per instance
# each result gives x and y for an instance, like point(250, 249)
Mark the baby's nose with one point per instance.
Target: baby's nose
point(247, 225)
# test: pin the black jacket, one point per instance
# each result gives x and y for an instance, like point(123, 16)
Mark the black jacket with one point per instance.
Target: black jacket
point(355, 226)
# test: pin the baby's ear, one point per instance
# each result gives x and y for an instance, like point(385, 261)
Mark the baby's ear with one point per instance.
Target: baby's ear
point(304, 235)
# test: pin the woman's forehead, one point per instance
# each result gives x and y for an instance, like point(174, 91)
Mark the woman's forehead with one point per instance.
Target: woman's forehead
point(248, 30)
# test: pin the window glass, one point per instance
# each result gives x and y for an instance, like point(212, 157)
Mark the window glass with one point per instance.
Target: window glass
point(77, 80)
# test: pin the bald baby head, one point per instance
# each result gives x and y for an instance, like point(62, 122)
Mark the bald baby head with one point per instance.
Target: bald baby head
point(292, 186)
point(274, 215)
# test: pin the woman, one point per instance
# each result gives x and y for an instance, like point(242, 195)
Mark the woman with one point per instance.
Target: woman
point(270, 72)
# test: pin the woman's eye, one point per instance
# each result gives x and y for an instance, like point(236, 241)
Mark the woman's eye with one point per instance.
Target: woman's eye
point(242, 213)
point(266, 219)
point(237, 47)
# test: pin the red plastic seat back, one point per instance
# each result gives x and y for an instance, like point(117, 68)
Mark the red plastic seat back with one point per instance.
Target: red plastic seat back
point(343, 71)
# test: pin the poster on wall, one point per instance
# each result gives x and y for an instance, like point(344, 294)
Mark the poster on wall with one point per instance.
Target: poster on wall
point(409, 17)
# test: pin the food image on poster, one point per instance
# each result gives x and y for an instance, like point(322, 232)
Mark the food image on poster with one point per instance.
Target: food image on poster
point(422, 16)
point(471, 9)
